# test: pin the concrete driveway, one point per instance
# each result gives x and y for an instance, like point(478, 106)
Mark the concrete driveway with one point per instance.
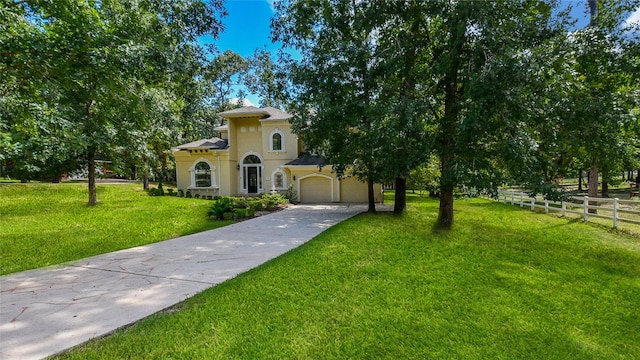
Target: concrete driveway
point(46, 311)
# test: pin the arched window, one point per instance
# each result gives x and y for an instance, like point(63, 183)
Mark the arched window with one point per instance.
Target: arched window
point(277, 140)
point(202, 174)
point(252, 159)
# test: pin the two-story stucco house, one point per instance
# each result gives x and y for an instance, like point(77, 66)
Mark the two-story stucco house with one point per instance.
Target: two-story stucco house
point(258, 153)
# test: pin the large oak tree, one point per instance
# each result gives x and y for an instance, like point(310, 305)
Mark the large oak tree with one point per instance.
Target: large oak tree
point(96, 62)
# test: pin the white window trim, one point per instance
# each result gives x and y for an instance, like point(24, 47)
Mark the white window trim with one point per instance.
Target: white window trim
point(284, 179)
point(245, 189)
point(282, 141)
point(212, 174)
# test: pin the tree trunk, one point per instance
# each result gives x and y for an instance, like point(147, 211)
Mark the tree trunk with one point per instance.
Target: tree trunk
point(371, 196)
point(605, 184)
point(161, 178)
point(91, 162)
point(593, 11)
point(145, 177)
point(400, 200)
point(593, 187)
point(445, 212)
point(580, 180)
point(446, 137)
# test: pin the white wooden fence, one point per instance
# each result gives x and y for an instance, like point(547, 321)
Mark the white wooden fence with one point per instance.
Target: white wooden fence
point(613, 209)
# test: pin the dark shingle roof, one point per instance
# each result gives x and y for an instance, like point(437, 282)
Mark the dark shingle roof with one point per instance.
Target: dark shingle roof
point(267, 113)
point(213, 143)
point(243, 111)
point(276, 114)
point(306, 159)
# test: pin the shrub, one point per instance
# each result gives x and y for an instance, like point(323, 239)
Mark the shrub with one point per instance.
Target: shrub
point(240, 214)
point(240, 203)
point(228, 207)
point(188, 194)
point(170, 192)
point(291, 194)
point(220, 207)
point(196, 196)
point(155, 192)
point(180, 193)
point(256, 205)
point(272, 200)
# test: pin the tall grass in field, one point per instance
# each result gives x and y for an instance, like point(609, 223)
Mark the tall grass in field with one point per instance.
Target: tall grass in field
point(502, 284)
point(46, 224)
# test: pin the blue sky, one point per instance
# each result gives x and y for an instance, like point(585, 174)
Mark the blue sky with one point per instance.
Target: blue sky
point(247, 27)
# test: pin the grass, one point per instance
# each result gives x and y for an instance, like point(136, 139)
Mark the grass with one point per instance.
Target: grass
point(502, 284)
point(47, 224)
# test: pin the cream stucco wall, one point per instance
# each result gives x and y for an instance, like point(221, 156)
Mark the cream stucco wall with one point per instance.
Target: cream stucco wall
point(218, 159)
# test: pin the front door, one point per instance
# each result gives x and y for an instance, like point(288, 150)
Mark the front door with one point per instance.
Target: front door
point(252, 173)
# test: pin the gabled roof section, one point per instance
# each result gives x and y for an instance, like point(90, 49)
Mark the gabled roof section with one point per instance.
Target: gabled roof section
point(306, 159)
point(245, 111)
point(276, 114)
point(213, 143)
point(265, 114)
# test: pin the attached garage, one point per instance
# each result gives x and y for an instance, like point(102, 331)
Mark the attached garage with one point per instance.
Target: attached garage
point(353, 191)
point(315, 189)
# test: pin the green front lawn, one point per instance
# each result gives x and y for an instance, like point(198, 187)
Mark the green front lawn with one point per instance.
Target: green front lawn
point(503, 284)
point(46, 224)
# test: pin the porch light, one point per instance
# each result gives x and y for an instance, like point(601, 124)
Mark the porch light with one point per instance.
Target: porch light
point(238, 167)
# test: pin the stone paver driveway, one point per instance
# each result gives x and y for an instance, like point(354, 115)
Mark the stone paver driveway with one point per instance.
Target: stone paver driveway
point(46, 311)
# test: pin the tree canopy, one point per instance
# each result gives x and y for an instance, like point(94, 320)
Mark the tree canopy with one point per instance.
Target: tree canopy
point(383, 86)
point(99, 73)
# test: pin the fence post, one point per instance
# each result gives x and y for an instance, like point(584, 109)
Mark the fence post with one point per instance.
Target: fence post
point(615, 213)
point(521, 199)
point(546, 206)
point(533, 203)
point(585, 204)
point(513, 197)
point(564, 208)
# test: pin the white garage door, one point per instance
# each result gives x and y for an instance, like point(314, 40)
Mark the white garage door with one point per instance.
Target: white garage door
point(315, 189)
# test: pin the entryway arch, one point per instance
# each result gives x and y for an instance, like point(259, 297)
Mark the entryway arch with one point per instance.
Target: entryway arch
point(251, 169)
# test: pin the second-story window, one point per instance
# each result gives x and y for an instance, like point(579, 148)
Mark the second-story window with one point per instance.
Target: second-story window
point(277, 142)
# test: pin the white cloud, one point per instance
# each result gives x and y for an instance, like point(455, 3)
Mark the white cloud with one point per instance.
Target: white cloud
point(245, 102)
point(634, 18)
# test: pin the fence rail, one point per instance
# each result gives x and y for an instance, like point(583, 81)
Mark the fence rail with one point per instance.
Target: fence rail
point(615, 209)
